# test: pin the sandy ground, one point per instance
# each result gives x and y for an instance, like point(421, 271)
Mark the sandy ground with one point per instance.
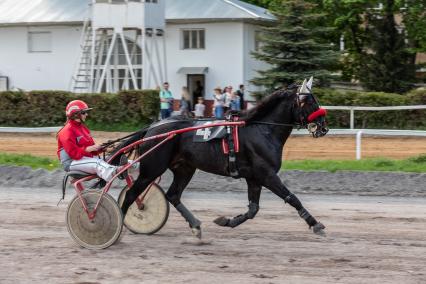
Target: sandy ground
point(369, 240)
point(297, 147)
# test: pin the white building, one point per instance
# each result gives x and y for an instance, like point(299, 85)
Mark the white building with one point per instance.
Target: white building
point(206, 40)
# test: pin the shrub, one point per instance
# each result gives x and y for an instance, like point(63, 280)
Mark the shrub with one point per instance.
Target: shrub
point(47, 108)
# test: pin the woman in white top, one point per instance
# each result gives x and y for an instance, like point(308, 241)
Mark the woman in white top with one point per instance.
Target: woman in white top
point(227, 98)
point(219, 100)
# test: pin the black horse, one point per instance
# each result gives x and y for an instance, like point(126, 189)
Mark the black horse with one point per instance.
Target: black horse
point(262, 139)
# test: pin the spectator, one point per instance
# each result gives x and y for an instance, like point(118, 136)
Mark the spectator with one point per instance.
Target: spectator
point(200, 108)
point(219, 101)
point(227, 98)
point(235, 102)
point(185, 103)
point(240, 93)
point(199, 89)
point(166, 101)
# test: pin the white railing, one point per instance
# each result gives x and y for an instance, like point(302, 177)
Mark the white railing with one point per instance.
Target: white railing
point(359, 132)
point(30, 129)
point(352, 110)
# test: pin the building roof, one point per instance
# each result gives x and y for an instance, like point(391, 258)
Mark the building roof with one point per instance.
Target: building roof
point(14, 12)
point(193, 10)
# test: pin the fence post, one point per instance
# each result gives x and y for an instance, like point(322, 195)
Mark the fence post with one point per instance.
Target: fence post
point(352, 118)
point(358, 145)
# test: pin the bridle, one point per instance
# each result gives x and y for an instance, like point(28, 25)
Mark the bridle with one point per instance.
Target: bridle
point(310, 121)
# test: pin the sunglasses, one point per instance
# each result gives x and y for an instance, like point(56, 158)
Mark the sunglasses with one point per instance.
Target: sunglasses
point(84, 112)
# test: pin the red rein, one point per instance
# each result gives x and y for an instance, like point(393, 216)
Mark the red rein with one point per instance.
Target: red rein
point(317, 113)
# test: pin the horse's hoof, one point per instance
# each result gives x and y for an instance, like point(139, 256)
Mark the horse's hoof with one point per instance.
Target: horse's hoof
point(318, 229)
point(221, 221)
point(196, 231)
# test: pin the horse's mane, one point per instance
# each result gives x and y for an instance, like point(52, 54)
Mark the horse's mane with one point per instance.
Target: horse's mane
point(265, 106)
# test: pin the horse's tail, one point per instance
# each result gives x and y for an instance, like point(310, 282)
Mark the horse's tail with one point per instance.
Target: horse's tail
point(130, 140)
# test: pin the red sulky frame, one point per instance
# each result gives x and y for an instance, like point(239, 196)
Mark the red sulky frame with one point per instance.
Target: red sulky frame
point(166, 137)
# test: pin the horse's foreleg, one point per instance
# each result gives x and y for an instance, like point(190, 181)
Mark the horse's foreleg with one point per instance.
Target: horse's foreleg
point(254, 190)
point(276, 186)
point(182, 176)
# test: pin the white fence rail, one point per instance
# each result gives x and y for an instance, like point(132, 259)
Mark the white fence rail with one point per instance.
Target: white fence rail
point(29, 129)
point(352, 110)
point(359, 132)
point(355, 132)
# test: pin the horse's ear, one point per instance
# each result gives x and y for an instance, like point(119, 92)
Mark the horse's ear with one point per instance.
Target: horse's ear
point(303, 89)
point(309, 84)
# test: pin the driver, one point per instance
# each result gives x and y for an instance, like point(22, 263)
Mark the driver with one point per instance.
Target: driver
point(77, 150)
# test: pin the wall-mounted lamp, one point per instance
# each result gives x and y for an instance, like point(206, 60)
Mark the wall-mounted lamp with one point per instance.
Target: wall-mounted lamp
point(149, 32)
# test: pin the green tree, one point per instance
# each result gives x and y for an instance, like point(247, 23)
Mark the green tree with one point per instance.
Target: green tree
point(380, 52)
point(261, 3)
point(386, 64)
point(414, 21)
point(294, 46)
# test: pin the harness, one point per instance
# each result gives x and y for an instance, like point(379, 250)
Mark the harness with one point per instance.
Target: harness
point(231, 146)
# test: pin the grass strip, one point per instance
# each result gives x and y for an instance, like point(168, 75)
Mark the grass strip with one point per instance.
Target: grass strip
point(415, 164)
point(29, 160)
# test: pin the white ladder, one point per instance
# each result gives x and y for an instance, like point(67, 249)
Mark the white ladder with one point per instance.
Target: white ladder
point(82, 79)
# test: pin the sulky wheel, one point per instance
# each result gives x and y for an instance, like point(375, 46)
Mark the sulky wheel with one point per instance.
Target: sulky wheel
point(151, 216)
point(101, 232)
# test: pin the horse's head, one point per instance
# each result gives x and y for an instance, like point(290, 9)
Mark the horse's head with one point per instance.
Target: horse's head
point(308, 111)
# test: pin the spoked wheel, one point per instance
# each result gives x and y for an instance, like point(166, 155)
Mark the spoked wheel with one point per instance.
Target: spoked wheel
point(150, 215)
point(101, 232)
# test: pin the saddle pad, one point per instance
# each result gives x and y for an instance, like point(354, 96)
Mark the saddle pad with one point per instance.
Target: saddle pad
point(209, 133)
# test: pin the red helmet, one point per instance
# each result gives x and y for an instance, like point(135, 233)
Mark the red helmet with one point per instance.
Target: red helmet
point(76, 106)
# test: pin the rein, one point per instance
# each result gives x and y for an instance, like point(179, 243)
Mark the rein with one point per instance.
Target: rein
point(111, 142)
point(298, 125)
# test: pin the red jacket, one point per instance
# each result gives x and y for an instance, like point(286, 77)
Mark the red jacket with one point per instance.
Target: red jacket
point(74, 138)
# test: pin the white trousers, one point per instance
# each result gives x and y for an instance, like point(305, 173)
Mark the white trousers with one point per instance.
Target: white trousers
point(94, 166)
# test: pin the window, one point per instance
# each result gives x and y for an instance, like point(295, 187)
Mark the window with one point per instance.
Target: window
point(39, 41)
point(193, 39)
point(120, 74)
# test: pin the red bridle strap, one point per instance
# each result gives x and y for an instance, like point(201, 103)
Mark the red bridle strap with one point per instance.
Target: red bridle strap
point(317, 113)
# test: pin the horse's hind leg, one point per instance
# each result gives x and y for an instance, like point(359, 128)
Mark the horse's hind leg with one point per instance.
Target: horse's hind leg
point(276, 186)
point(182, 176)
point(254, 190)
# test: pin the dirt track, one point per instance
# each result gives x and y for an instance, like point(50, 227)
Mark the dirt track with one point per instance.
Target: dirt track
point(297, 147)
point(370, 240)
